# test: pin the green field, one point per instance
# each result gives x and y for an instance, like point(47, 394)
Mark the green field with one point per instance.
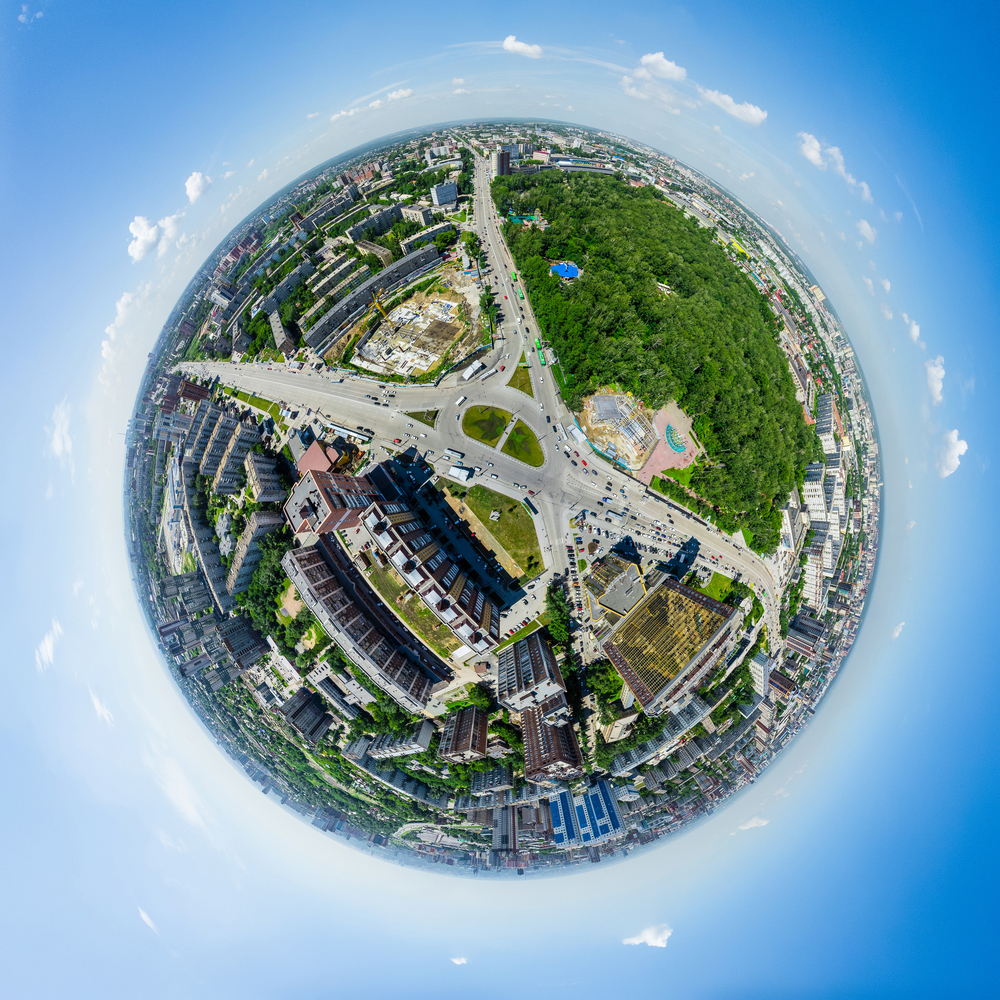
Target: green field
point(188, 564)
point(718, 587)
point(522, 444)
point(515, 530)
point(521, 380)
point(485, 423)
point(682, 476)
point(425, 416)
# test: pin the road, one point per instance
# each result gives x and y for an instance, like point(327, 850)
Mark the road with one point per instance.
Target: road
point(562, 486)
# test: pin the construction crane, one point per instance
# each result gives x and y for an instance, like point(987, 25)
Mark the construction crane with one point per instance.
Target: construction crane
point(377, 299)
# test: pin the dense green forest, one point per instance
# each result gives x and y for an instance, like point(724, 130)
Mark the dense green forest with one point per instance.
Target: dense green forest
point(710, 342)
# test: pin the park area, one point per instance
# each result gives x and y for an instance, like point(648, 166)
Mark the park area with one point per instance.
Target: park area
point(485, 424)
point(427, 417)
point(522, 444)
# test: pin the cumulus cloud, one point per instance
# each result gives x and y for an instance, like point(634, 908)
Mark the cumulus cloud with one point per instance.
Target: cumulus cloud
point(885, 310)
point(123, 308)
point(656, 936)
point(935, 378)
point(45, 651)
point(457, 81)
point(655, 64)
point(26, 17)
point(377, 103)
point(341, 114)
point(460, 90)
point(102, 710)
point(460, 961)
point(263, 174)
point(914, 328)
point(952, 450)
point(811, 149)
point(145, 236)
point(886, 284)
point(745, 112)
point(511, 44)
point(228, 174)
point(750, 824)
point(897, 631)
point(398, 95)
point(746, 177)
point(147, 920)
point(867, 230)
point(868, 284)
point(196, 185)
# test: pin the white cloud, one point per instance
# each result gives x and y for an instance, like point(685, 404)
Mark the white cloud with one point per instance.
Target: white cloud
point(251, 163)
point(231, 200)
point(460, 961)
point(868, 284)
point(655, 936)
point(935, 378)
point(60, 443)
point(867, 230)
point(145, 235)
point(263, 174)
point(866, 193)
point(311, 114)
point(655, 64)
point(147, 920)
point(910, 524)
point(914, 328)
point(885, 310)
point(897, 631)
point(745, 112)
point(811, 150)
point(457, 80)
point(886, 284)
point(750, 824)
point(344, 114)
point(377, 103)
point(123, 308)
point(511, 44)
point(951, 452)
point(102, 710)
point(460, 90)
point(398, 95)
point(746, 177)
point(45, 651)
point(196, 185)
point(626, 85)
point(169, 227)
point(228, 174)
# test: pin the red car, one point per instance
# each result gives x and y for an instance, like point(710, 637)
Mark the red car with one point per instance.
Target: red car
point(583, 460)
point(502, 367)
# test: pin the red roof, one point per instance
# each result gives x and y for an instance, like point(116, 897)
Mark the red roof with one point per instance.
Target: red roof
point(314, 460)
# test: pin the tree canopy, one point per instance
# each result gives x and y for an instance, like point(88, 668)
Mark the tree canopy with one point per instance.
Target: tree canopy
point(660, 311)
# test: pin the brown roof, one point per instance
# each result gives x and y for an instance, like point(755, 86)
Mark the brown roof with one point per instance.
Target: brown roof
point(315, 459)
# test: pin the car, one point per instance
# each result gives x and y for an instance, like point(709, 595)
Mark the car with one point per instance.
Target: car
point(502, 367)
point(582, 459)
point(574, 462)
point(531, 493)
point(489, 465)
point(523, 487)
point(516, 487)
point(548, 420)
point(578, 455)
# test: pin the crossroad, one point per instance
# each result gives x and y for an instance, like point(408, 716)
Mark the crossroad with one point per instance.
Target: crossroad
point(570, 480)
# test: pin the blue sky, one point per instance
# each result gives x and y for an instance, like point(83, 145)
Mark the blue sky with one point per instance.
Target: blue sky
point(137, 859)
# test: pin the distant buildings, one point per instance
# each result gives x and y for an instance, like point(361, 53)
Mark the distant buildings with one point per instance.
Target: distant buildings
point(500, 162)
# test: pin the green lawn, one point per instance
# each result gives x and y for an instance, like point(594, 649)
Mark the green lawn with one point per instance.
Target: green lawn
point(188, 564)
point(515, 530)
point(581, 564)
point(485, 423)
point(258, 401)
point(522, 444)
point(532, 626)
point(718, 587)
point(425, 416)
point(521, 380)
point(682, 476)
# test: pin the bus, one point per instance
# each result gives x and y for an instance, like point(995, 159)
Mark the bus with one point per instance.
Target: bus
point(520, 294)
point(513, 275)
point(531, 508)
point(541, 353)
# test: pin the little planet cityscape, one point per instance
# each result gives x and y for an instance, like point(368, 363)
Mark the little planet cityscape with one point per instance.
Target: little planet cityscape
point(503, 496)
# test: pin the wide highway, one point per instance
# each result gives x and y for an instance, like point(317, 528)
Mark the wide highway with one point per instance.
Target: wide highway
point(560, 488)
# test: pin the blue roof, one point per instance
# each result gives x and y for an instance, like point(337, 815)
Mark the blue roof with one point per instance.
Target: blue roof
point(566, 270)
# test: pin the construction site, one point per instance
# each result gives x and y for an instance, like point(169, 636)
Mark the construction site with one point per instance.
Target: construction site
point(619, 426)
point(417, 336)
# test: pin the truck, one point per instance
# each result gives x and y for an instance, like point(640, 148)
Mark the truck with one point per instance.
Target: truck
point(472, 369)
point(460, 473)
point(461, 400)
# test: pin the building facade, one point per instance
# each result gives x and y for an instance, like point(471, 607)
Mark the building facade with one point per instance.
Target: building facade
point(464, 736)
point(551, 753)
point(247, 554)
point(328, 501)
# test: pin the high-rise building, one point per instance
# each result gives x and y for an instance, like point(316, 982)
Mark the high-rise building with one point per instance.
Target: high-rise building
point(826, 424)
point(205, 418)
point(499, 162)
point(445, 193)
point(402, 744)
point(242, 642)
point(505, 829)
point(497, 779)
point(230, 475)
point(813, 492)
point(246, 555)
point(551, 753)
point(328, 501)
point(464, 736)
point(217, 443)
point(527, 674)
point(587, 819)
point(306, 712)
point(263, 482)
